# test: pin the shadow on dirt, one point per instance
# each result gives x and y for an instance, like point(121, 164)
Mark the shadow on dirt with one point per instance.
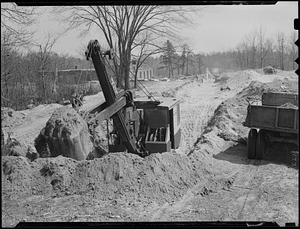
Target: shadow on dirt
point(278, 153)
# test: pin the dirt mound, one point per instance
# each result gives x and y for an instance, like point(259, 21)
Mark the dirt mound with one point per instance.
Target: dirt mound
point(289, 105)
point(13, 147)
point(228, 118)
point(172, 92)
point(10, 117)
point(222, 79)
point(241, 79)
point(67, 134)
point(159, 176)
point(169, 93)
point(256, 88)
point(269, 70)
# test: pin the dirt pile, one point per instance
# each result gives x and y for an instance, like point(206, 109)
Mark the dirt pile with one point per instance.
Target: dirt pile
point(289, 105)
point(222, 79)
point(157, 88)
point(241, 79)
point(11, 118)
point(159, 176)
point(13, 147)
point(269, 70)
point(67, 134)
point(172, 91)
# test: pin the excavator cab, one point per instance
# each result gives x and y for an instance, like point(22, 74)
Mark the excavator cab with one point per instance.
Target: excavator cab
point(163, 126)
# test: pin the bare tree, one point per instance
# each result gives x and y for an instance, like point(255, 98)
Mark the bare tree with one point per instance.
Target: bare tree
point(44, 55)
point(199, 63)
point(263, 46)
point(185, 49)
point(281, 49)
point(243, 55)
point(239, 57)
point(121, 26)
point(7, 68)
point(252, 41)
point(188, 55)
point(15, 21)
point(146, 48)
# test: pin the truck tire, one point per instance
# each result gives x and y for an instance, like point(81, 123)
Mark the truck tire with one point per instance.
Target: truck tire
point(251, 144)
point(293, 159)
point(260, 145)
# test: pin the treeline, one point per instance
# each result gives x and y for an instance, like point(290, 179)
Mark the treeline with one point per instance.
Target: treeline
point(30, 78)
point(254, 51)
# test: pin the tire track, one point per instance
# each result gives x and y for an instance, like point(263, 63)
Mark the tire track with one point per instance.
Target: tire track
point(198, 105)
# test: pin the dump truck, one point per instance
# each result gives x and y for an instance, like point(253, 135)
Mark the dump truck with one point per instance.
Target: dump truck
point(276, 119)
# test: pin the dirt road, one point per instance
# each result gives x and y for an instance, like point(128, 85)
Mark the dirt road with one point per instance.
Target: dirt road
point(199, 101)
point(258, 191)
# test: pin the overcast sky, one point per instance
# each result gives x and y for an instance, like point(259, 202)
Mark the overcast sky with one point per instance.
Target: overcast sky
point(216, 28)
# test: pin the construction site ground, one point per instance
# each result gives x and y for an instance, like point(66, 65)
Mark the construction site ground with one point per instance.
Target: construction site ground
point(208, 178)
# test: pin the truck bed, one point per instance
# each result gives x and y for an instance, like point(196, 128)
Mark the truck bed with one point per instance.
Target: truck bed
point(273, 118)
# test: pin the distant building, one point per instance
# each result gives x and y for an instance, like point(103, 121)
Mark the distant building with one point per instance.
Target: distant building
point(144, 73)
point(76, 76)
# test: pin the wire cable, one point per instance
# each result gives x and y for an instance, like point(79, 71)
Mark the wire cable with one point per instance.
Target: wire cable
point(146, 92)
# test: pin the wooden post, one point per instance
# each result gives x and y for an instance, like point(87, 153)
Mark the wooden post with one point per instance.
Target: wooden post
point(44, 85)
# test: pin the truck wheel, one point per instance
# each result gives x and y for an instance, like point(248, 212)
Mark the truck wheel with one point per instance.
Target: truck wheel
point(293, 159)
point(251, 144)
point(260, 145)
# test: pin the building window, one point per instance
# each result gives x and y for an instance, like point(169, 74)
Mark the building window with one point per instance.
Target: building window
point(140, 75)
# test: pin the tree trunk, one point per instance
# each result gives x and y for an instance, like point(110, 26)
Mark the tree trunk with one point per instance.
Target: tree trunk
point(135, 76)
point(187, 66)
point(44, 86)
point(55, 81)
point(199, 66)
point(127, 82)
point(127, 70)
point(282, 60)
